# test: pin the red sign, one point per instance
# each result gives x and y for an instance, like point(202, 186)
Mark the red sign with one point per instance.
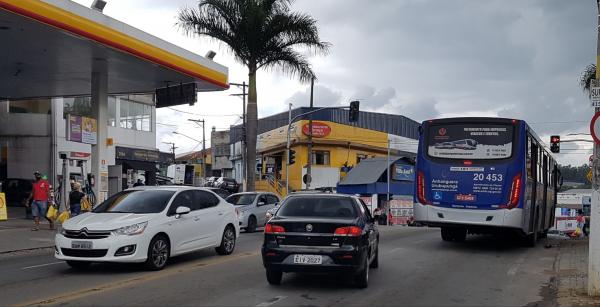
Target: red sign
point(595, 128)
point(75, 154)
point(319, 130)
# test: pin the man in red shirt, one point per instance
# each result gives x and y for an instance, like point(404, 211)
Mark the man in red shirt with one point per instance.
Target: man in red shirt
point(40, 195)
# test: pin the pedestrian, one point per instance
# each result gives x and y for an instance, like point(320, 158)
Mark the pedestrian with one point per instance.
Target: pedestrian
point(138, 183)
point(580, 222)
point(377, 215)
point(75, 198)
point(40, 194)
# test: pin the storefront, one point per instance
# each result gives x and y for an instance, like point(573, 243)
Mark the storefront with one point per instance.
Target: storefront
point(369, 180)
point(337, 146)
point(133, 164)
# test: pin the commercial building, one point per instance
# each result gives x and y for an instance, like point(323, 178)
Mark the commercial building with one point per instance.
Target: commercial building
point(221, 151)
point(58, 48)
point(337, 146)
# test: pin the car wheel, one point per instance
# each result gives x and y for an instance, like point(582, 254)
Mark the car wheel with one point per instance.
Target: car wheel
point(274, 277)
point(158, 253)
point(447, 234)
point(79, 264)
point(361, 280)
point(375, 261)
point(251, 224)
point(227, 242)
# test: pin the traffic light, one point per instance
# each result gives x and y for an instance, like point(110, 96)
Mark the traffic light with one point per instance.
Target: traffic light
point(354, 111)
point(291, 157)
point(555, 143)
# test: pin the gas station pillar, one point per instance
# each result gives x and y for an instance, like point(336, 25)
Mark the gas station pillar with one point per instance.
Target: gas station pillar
point(100, 113)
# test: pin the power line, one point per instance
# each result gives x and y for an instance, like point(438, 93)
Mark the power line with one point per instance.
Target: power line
point(207, 115)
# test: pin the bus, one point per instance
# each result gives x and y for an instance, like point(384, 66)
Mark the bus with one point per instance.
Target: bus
point(502, 180)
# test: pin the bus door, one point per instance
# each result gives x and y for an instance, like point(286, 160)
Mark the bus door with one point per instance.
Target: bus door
point(533, 166)
point(545, 205)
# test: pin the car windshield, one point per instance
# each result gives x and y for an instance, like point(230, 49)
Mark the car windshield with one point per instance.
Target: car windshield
point(241, 199)
point(136, 201)
point(318, 206)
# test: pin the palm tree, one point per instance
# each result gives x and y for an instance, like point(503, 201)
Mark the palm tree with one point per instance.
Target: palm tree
point(585, 81)
point(260, 34)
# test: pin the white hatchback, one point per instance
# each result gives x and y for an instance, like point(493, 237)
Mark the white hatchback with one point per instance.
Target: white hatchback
point(149, 224)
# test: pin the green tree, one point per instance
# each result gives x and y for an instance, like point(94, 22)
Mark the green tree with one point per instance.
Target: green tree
point(260, 34)
point(585, 80)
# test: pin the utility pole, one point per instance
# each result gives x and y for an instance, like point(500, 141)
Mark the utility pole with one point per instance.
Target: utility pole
point(172, 147)
point(594, 243)
point(201, 121)
point(243, 149)
point(287, 158)
point(310, 133)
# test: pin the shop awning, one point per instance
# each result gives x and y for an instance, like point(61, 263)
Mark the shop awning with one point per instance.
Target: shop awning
point(368, 171)
point(50, 47)
point(137, 165)
point(366, 178)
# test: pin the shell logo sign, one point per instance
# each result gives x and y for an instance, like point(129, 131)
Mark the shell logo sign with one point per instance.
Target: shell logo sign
point(319, 129)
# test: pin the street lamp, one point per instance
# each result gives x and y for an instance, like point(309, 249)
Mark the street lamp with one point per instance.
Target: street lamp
point(172, 147)
point(189, 137)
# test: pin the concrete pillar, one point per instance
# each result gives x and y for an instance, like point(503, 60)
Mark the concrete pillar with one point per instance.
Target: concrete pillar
point(594, 248)
point(100, 113)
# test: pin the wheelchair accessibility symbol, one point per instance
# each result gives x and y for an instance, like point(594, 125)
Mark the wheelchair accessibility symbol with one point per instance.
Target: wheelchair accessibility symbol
point(437, 195)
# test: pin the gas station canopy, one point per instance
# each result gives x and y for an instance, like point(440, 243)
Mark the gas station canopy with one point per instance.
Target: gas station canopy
point(51, 47)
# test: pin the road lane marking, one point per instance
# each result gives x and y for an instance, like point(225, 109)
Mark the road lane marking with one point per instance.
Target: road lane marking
point(41, 265)
point(272, 301)
point(514, 269)
point(114, 285)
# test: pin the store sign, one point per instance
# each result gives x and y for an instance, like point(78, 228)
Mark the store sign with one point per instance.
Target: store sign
point(136, 154)
point(319, 129)
point(82, 129)
point(404, 172)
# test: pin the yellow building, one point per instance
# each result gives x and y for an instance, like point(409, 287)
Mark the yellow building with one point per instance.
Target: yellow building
point(338, 145)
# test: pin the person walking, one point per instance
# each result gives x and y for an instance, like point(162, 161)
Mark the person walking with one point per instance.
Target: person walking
point(75, 198)
point(377, 215)
point(581, 222)
point(40, 194)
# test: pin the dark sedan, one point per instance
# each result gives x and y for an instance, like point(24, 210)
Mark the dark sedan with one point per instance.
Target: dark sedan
point(321, 233)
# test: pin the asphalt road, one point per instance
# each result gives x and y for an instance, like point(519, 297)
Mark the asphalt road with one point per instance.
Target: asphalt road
point(416, 268)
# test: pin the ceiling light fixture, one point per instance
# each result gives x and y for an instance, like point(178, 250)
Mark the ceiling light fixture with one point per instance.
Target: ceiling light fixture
point(98, 5)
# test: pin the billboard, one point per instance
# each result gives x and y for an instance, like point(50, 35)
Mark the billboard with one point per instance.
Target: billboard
point(82, 129)
point(470, 141)
point(404, 172)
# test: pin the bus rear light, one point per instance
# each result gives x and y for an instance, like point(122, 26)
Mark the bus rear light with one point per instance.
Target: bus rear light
point(515, 192)
point(274, 229)
point(421, 188)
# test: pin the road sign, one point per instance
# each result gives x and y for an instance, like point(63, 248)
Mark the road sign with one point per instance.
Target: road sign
point(595, 93)
point(595, 128)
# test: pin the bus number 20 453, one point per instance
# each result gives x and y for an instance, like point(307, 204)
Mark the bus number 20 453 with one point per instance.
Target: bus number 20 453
point(488, 177)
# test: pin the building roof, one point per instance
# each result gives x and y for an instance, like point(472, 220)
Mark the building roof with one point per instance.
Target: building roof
point(368, 170)
point(389, 123)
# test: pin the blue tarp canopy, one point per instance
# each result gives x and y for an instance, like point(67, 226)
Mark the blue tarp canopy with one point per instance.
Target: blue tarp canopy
point(369, 177)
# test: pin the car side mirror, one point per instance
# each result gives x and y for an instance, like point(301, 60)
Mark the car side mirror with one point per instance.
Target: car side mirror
point(182, 211)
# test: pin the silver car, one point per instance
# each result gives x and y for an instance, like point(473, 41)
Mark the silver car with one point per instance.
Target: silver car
point(252, 207)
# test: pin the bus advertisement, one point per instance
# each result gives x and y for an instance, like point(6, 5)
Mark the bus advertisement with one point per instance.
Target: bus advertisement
point(484, 175)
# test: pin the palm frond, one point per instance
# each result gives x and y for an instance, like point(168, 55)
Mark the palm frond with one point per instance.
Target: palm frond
point(290, 62)
point(585, 80)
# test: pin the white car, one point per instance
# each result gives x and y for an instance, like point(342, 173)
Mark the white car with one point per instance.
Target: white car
point(150, 225)
point(252, 208)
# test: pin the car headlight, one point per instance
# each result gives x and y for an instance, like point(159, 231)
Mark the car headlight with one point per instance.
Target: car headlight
point(63, 231)
point(240, 215)
point(134, 229)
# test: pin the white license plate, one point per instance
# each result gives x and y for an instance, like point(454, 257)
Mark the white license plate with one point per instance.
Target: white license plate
point(81, 245)
point(308, 259)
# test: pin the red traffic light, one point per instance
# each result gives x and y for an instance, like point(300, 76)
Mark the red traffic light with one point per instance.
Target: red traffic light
point(555, 139)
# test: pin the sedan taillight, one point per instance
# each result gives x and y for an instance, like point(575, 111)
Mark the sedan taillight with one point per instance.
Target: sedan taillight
point(274, 229)
point(350, 231)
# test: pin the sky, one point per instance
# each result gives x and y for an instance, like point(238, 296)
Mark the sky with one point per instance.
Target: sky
point(420, 58)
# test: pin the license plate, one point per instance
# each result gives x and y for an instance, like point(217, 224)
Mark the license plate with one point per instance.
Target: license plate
point(308, 259)
point(81, 245)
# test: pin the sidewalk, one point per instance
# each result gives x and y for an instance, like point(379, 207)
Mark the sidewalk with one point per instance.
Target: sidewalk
point(16, 234)
point(571, 269)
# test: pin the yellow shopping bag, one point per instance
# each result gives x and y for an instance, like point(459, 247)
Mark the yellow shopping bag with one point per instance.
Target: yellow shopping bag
point(85, 204)
point(52, 213)
point(65, 215)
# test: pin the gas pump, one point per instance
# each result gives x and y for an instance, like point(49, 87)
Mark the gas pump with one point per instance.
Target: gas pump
point(81, 159)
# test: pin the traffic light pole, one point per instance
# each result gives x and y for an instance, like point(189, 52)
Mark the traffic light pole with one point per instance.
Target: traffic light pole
point(289, 129)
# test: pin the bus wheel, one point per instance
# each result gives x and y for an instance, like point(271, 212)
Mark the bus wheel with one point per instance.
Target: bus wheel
point(447, 234)
point(460, 234)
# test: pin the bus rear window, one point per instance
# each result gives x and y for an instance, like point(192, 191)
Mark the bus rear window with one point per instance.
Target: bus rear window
point(470, 141)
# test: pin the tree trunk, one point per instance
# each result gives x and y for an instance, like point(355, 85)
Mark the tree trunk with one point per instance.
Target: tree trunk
point(251, 129)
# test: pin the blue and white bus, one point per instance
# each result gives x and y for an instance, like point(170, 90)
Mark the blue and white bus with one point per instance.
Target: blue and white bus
point(484, 175)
